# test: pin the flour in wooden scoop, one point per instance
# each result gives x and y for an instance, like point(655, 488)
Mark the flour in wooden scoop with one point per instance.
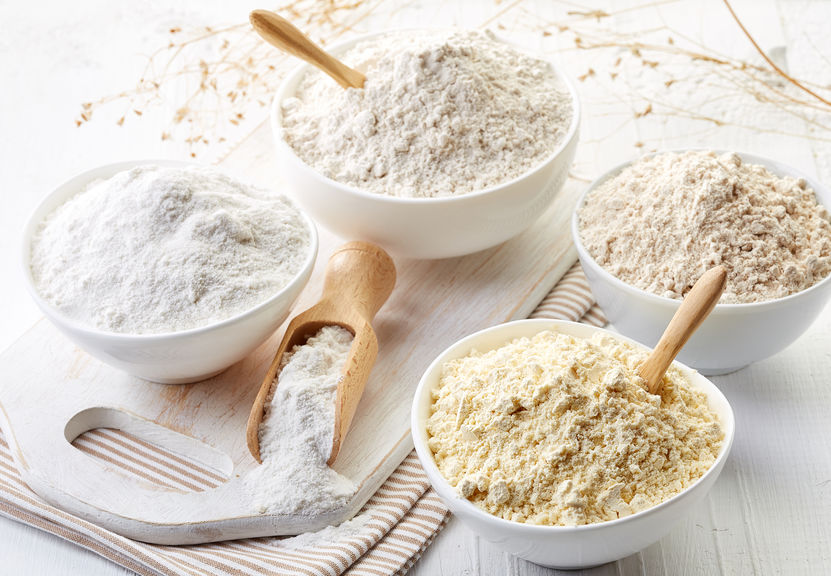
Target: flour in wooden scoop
point(297, 431)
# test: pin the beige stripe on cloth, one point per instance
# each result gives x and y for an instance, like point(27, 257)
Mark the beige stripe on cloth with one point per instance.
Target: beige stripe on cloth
point(394, 527)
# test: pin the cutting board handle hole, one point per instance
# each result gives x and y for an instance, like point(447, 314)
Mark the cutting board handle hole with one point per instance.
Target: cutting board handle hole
point(144, 449)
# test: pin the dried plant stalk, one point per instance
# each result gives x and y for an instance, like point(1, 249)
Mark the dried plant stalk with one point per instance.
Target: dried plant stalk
point(772, 64)
point(227, 91)
point(224, 88)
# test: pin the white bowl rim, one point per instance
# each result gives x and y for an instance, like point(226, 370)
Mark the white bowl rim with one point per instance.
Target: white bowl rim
point(427, 460)
point(300, 70)
point(778, 167)
point(88, 330)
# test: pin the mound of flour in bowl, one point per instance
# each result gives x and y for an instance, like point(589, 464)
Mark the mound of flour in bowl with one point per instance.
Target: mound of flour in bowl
point(665, 220)
point(159, 249)
point(439, 115)
point(558, 430)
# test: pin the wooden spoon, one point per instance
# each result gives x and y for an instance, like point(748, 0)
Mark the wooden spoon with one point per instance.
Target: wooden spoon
point(281, 33)
point(697, 305)
point(359, 279)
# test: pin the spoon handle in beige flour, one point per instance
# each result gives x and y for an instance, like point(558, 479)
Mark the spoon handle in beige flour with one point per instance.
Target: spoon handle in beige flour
point(281, 33)
point(695, 307)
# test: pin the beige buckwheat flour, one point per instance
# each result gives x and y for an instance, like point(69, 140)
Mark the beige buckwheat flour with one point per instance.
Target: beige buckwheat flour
point(665, 220)
point(557, 430)
point(440, 114)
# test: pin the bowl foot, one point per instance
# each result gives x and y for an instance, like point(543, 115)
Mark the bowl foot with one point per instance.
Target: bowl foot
point(187, 380)
point(718, 371)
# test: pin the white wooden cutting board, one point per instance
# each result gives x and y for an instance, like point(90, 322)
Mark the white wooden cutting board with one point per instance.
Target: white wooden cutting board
point(51, 391)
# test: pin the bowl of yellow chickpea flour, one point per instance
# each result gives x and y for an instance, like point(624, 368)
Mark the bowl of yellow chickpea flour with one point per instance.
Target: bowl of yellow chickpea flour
point(542, 438)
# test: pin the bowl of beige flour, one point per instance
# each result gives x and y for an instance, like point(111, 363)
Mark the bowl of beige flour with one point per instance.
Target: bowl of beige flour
point(646, 230)
point(457, 142)
point(169, 271)
point(541, 437)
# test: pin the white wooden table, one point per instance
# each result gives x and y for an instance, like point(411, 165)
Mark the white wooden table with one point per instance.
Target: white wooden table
point(770, 512)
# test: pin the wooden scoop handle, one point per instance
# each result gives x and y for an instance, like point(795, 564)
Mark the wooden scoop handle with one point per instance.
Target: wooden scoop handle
point(281, 33)
point(696, 306)
point(360, 276)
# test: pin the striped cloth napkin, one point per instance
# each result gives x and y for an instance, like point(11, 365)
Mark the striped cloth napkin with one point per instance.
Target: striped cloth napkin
point(386, 537)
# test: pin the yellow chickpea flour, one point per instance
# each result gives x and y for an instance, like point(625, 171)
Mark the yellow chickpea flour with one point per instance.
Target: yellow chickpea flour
point(558, 430)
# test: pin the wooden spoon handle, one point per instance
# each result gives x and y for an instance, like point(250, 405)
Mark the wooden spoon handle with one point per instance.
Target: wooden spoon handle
point(359, 276)
point(697, 305)
point(281, 33)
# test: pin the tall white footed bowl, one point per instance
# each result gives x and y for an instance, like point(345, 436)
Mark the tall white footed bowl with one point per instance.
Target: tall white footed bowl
point(564, 547)
point(423, 227)
point(175, 357)
point(733, 335)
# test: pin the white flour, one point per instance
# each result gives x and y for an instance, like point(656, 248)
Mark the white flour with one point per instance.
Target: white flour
point(158, 249)
point(354, 528)
point(297, 431)
point(665, 220)
point(440, 114)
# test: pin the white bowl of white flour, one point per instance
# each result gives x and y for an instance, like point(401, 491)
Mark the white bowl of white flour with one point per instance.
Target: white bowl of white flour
point(655, 225)
point(457, 142)
point(541, 438)
point(170, 271)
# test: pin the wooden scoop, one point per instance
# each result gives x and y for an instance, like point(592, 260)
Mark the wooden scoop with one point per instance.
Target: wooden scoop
point(359, 279)
point(697, 305)
point(281, 33)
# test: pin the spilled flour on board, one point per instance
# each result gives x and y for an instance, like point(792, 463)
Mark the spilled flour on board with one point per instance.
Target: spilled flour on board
point(349, 529)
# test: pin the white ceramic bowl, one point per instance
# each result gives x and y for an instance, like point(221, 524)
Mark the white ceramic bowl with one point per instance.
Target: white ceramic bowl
point(423, 227)
point(565, 547)
point(176, 357)
point(733, 335)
